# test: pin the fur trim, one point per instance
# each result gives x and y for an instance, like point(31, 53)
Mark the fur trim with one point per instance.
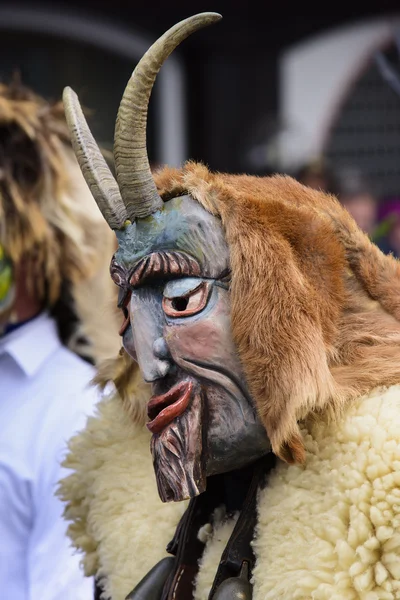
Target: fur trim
point(314, 302)
point(118, 519)
point(327, 531)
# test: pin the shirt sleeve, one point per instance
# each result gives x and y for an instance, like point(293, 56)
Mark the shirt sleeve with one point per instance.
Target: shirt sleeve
point(54, 571)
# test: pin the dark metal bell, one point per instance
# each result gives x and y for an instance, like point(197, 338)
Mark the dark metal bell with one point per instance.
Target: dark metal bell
point(152, 584)
point(236, 588)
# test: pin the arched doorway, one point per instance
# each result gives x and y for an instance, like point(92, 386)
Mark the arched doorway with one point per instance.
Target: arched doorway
point(334, 102)
point(96, 58)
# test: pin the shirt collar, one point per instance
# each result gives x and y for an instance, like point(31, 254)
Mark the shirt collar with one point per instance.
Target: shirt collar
point(31, 345)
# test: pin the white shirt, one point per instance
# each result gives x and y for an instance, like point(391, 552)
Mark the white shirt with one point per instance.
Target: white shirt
point(45, 397)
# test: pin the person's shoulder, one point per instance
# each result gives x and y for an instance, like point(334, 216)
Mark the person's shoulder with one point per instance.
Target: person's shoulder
point(69, 369)
point(69, 359)
point(72, 396)
point(68, 380)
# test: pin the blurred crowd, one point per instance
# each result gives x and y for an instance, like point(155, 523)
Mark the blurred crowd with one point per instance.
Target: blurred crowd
point(378, 216)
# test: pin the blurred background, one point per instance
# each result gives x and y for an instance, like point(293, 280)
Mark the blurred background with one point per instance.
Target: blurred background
point(268, 89)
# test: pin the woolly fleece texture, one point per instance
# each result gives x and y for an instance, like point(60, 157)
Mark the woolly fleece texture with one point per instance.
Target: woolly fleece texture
point(331, 531)
point(326, 531)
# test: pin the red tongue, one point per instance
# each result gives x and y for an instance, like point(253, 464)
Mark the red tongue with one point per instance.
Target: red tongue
point(164, 409)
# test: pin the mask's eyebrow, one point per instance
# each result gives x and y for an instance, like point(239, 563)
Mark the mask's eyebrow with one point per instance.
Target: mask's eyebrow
point(165, 263)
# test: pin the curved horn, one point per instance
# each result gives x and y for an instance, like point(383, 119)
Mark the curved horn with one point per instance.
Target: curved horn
point(94, 168)
point(134, 176)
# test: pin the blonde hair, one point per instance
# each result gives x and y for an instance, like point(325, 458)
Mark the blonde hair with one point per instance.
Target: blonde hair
point(48, 218)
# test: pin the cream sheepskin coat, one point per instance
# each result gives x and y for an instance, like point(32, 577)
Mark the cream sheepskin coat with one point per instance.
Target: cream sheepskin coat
point(329, 530)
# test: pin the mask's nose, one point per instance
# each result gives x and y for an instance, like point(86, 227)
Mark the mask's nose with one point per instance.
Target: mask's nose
point(147, 322)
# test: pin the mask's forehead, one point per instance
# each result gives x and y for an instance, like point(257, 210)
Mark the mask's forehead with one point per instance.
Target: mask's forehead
point(182, 224)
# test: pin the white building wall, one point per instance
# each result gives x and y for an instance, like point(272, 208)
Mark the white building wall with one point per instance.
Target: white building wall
point(314, 77)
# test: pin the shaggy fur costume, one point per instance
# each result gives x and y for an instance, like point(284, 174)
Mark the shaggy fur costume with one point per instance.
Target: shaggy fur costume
point(316, 320)
point(326, 531)
point(49, 221)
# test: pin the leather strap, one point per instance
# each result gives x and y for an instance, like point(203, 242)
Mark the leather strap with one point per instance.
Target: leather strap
point(186, 545)
point(188, 549)
point(239, 549)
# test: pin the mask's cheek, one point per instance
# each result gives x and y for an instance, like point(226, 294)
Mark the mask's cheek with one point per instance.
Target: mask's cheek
point(205, 340)
point(198, 342)
point(204, 348)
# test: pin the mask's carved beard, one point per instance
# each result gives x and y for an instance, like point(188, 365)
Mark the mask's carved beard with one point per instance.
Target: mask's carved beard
point(177, 455)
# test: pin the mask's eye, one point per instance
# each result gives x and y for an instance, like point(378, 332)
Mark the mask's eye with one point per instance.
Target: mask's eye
point(188, 304)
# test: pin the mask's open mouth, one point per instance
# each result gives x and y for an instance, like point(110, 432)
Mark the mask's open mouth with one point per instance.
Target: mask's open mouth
point(162, 410)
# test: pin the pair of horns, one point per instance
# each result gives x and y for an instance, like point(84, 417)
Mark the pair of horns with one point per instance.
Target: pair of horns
point(133, 194)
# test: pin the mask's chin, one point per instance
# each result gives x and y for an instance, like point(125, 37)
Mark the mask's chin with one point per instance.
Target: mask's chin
point(235, 435)
point(200, 431)
point(177, 442)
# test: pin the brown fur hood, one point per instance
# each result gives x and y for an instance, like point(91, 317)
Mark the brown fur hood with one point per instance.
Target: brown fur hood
point(315, 305)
